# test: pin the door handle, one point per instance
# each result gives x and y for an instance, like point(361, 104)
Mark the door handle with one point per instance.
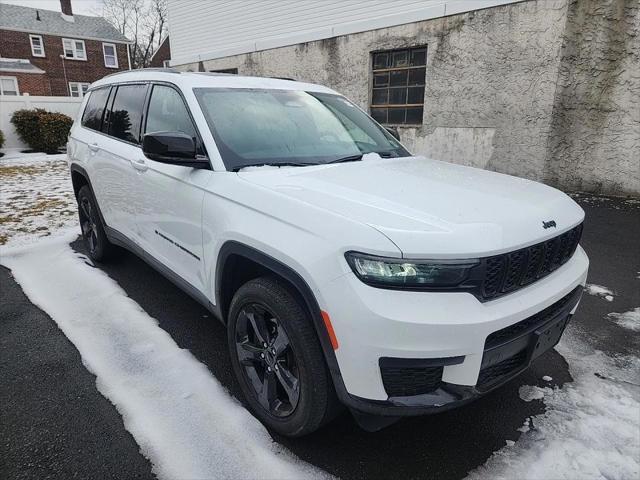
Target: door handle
point(139, 164)
point(94, 147)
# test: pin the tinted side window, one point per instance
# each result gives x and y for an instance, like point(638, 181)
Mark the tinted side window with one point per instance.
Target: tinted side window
point(168, 113)
point(92, 116)
point(126, 113)
point(107, 111)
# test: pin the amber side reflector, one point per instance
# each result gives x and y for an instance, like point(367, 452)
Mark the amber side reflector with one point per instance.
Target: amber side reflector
point(329, 327)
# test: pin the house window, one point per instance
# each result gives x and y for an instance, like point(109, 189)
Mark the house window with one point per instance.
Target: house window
point(110, 55)
point(78, 89)
point(397, 95)
point(74, 49)
point(37, 45)
point(9, 86)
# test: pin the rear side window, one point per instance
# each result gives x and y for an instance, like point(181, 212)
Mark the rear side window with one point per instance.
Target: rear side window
point(126, 113)
point(93, 112)
point(168, 113)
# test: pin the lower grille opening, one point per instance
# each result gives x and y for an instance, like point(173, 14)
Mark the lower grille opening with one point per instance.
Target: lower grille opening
point(531, 323)
point(494, 373)
point(409, 381)
point(407, 377)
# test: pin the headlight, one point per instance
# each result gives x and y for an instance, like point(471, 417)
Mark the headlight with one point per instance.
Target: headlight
point(402, 273)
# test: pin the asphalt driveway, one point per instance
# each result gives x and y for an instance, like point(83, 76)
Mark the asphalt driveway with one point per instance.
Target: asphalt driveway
point(55, 424)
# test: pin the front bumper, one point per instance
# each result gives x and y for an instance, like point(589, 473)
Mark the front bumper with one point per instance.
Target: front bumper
point(373, 324)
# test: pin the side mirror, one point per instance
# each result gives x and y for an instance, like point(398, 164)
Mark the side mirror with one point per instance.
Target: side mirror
point(175, 148)
point(394, 132)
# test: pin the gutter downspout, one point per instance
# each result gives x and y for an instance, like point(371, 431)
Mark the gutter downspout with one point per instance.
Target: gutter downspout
point(66, 82)
point(129, 55)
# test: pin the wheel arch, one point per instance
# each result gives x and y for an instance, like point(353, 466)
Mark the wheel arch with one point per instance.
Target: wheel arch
point(234, 254)
point(80, 178)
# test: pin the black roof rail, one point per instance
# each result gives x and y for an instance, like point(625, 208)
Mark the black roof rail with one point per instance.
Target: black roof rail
point(165, 70)
point(218, 74)
point(284, 78)
point(157, 69)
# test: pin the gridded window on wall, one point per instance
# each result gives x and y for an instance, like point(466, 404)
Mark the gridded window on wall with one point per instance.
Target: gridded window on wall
point(78, 89)
point(9, 86)
point(397, 96)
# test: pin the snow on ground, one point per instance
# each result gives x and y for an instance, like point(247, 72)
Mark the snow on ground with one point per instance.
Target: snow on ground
point(185, 422)
point(188, 425)
point(599, 291)
point(36, 197)
point(591, 427)
point(630, 319)
point(530, 392)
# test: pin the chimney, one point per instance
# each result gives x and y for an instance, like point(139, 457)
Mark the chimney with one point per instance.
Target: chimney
point(65, 6)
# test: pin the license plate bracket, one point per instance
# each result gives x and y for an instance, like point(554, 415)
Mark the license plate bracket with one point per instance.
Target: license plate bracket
point(547, 336)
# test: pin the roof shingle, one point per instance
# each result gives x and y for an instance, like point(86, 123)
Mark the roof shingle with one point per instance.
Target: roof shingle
point(18, 65)
point(14, 17)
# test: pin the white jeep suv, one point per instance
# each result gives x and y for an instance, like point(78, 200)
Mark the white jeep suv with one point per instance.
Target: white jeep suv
point(346, 270)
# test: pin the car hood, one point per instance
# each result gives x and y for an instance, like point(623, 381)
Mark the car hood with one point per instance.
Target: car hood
point(430, 208)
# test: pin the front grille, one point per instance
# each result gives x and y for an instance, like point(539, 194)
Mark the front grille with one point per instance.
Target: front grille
point(511, 271)
point(494, 373)
point(408, 381)
point(529, 324)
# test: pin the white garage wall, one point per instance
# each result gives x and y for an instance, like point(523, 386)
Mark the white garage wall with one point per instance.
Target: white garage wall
point(209, 29)
point(8, 105)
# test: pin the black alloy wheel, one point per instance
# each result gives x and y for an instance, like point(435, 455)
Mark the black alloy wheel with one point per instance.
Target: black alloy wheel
point(88, 225)
point(277, 358)
point(267, 359)
point(95, 239)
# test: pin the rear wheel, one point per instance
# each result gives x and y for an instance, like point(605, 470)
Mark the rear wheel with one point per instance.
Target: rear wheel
point(277, 358)
point(95, 239)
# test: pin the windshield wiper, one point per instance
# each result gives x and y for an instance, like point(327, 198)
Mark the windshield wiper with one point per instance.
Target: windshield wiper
point(350, 158)
point(387, 154)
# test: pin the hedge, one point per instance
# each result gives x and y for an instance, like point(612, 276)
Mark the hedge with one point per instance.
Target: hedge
point(43, 131)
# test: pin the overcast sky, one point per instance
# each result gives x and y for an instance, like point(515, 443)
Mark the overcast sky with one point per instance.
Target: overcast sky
point(81, 7)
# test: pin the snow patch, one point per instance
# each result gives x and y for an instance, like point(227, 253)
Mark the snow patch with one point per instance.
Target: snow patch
point(547, 378)
point(599, 291)
point(629, 320)
point(529, 392)
point(36, 198)
point(590, 429)
point(370, 156)
point(185, 422)
point(258, 168)
point(525, 428)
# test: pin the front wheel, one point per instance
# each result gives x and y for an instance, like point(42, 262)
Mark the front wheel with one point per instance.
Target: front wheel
point(95, 239)
point(277, 358)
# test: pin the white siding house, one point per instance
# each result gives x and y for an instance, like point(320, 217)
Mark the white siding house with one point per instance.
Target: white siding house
point(209, 29)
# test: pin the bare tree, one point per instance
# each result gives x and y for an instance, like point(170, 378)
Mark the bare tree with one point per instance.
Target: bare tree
point(142, 21)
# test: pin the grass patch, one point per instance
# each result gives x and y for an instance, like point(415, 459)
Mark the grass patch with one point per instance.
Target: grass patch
point(16, 170)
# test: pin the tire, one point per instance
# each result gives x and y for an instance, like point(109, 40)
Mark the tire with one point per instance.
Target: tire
point(95, 239)
point(265, 309)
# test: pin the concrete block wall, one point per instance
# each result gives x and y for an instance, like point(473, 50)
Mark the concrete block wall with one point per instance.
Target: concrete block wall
point(510, 88)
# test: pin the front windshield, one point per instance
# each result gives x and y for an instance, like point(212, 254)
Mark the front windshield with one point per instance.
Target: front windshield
point(285, 127)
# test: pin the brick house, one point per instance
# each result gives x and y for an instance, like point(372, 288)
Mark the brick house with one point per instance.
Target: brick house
point(44, 52)
point(162, 55)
